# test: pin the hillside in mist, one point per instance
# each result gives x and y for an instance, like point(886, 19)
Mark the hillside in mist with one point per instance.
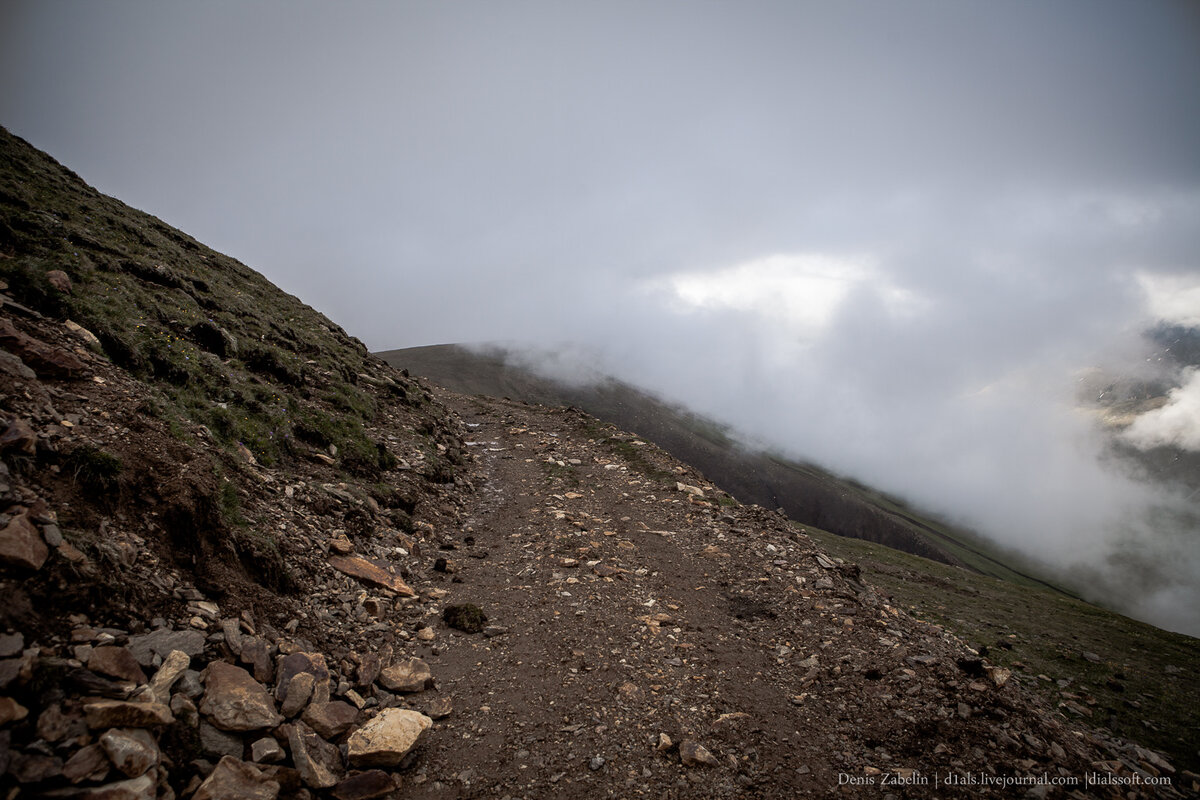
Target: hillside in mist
point(805, 492)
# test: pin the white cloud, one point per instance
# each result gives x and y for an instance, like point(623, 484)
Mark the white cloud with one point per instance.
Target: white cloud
point(1172, 298)
point(799, 292)
point(1176, 424)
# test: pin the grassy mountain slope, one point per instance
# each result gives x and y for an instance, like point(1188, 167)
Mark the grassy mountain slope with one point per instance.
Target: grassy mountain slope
point(1112, 671)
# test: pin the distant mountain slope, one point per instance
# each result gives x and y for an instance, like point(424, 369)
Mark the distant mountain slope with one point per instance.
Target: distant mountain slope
point(805, 492)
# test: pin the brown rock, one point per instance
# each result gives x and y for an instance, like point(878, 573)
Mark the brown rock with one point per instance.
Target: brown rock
point(369, 667)
point(266, 751)
point(82, 333)
point(233, 635)
point(132, 751)
point(365, 786)
point(11, 365)
point(234, 701)
point(59, 280)
point(298, 663)
point(21, 545)
point(410, 675)
point(19, 436)
point(11, 644)
point(33, 767)
point(387, 739)
point(89, 763)
point(256, 654)
point(440, 707)
point(694, 754)
point(236, 780)
point(330, 720)
point(43, 358)
point(299, 692)
point(124, 714)
point(162, 642)
point(372, 573)
point(116, 662)
point(11, 711)
point(217, 743)
point(143, 788)
point(54, 725)
point(341, 545)
point(309, 756)
point(172, 667)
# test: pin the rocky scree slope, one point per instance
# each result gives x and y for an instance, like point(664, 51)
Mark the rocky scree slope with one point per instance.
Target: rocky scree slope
point(241, 558)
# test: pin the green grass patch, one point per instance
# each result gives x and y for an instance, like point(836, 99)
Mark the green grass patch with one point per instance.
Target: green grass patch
point(1037, 631)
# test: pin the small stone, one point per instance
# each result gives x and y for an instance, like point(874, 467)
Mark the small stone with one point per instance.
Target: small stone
point(189, 684)
point(33, 767)
point(233, 635)
point(467, 617)
point(999, 675)
point(185, 710)
point(266, 751)
point(369, 667)
point(236, 780)
point(143, 788)
point(426, 634)
point(132, 751)
point(19, 436)
point(172, 667)
point(373, 573)
point(59, 280)
point(330, 720)
point(83, 333)
point(1092, 657)
point(256, 654)
point(387, 739)
point(124, 714)
point(11, 711)
point(367, 785)
point(21, 545)
point(299, 663)
point(664, 743)
point(116, 662)
point(53, 725)
point(52, 535)
point(492, 631)
point(234, 701)
point(410, 675)
point(341, 545)
point(694, 754)
point(161, 642)
point(306, 755)
point(11, 644)
point(596, 763)
point(89, 764)
point(216, 742)
point(299, 692)
point(440, 707)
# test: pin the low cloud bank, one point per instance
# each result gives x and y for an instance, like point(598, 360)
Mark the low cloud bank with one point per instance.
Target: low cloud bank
point(961, 396)
point(1176, 424)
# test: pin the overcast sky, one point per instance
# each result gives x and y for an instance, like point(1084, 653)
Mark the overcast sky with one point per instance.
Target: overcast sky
point(881, 235)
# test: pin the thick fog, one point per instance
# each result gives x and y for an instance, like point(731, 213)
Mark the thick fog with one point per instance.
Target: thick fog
point(888, 237)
